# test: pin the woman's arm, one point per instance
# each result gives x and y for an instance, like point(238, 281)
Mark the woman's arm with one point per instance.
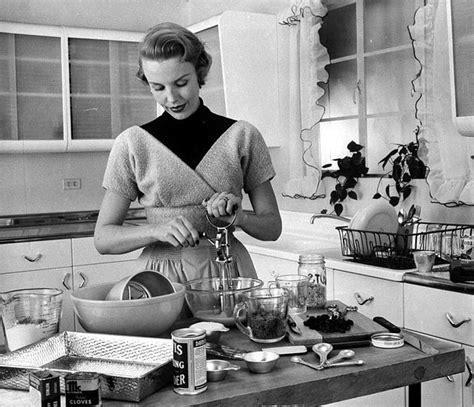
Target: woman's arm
point(111, 237)
point(265, 222)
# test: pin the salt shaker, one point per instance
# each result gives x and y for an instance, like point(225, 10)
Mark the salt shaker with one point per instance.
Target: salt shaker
point(312, 265)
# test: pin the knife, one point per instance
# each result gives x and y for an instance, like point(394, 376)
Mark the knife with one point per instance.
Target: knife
point(408, 338)
point(292, 324)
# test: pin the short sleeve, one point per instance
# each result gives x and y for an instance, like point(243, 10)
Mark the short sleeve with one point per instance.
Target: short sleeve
point(119, 174)
point(256, 162)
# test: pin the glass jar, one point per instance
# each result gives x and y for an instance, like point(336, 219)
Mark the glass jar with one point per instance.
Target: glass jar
point(312, 265)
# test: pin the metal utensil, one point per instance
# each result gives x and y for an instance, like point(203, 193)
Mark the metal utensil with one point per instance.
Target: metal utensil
point(297, 359)
point(322, 350)
point(343, 354)
point(408, 338)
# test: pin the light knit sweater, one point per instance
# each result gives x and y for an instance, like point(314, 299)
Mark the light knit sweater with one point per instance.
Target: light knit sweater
point(140, 166)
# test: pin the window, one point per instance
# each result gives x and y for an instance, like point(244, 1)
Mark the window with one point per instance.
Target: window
point(368, 96)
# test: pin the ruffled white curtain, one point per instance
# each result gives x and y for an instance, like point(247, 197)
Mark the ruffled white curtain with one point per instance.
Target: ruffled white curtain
point(306, 70)
point(451, 176)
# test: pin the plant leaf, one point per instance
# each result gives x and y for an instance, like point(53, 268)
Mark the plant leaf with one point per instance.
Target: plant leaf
point(352, 195)
point(354, 147)
point(338, 209)
point(394, 200)
point(377, 196)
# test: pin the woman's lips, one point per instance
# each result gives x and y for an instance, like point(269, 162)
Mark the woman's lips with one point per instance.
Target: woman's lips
point(177, 109)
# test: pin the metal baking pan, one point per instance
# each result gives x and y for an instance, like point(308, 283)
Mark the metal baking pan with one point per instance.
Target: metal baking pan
point(130, 368)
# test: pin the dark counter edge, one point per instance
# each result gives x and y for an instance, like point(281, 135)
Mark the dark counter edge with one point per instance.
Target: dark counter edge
point(430, 280)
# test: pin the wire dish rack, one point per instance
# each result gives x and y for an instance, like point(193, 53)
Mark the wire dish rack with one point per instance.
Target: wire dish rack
point(395, 250)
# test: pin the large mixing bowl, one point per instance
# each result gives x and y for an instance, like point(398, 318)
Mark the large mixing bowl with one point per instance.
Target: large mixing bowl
point(209, 302)
point(139, 317)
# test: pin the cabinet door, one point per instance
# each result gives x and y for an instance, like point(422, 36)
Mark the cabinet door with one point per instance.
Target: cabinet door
point(427, 309)
point(105, 95)
point(101, 273)
point(31, 92)
point(84, 252)
point(467, 380)
point(243, 82)
point(372, 296)
point(29, 256)
point(54, 278)
point(446, 391)
point(268, 266)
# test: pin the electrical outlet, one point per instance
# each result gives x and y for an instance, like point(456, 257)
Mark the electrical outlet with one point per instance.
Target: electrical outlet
point(71, 183)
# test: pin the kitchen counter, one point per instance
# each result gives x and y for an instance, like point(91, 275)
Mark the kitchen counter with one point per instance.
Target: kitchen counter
point(49, 226)
point(291, 383)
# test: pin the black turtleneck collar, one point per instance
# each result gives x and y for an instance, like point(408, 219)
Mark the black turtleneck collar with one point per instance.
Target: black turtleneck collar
point(189, 138)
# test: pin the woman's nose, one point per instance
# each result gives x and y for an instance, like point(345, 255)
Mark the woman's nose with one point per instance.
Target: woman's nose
point(172, 95)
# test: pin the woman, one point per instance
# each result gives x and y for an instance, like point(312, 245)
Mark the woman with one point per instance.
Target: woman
point(186, 162)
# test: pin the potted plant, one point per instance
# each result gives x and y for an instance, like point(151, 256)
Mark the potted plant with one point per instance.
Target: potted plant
point(350, 169)
point(406, 165)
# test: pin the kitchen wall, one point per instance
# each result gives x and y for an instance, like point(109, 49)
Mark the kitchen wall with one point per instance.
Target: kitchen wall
point(32, 183)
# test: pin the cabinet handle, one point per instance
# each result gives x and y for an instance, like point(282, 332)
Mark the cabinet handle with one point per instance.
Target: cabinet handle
point(453, 323)
point(361, 301)
point(450, 379)
point(469, 371)
point(66, 279)
point(84, 280)
point(33, 259)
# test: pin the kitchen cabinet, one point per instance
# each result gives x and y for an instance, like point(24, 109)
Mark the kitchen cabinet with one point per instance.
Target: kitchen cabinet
point(373, 296)
point(426, 310)
point(68, 264)
point(68, 89)
point(38, 264)
point(243, 80)
point(90, 267)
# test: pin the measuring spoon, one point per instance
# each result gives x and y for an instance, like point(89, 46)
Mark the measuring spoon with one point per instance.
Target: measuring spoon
point(322, 350)
point(297, 359)
point(343, 354)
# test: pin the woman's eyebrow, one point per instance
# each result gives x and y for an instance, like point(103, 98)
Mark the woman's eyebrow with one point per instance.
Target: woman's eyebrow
point(176, 80)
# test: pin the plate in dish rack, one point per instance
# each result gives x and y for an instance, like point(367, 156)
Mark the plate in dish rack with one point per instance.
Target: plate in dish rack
point(378, 217)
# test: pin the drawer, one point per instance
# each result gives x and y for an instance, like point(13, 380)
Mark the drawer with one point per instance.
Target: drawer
point(426, 310)
point(39, 255)
point(379, 297)
point(84, 252)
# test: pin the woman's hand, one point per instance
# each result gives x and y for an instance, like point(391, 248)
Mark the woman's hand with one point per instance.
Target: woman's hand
point(223, 205)
point(178, 232)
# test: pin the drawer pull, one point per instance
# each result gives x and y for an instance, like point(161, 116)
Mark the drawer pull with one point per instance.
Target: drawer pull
point(453, 323)
point(361, 301)
point(84, 280)
point(33, 259)
point(66, 279)
point(469, 371)
point(450, 379)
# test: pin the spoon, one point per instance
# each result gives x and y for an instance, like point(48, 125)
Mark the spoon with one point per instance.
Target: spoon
point(322, 350)
point(343, 354)
point(297, 359)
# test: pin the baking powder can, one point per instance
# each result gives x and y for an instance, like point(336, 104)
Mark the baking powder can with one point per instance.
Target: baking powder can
point(82, 389)
point(189, 361)
point(44, 389)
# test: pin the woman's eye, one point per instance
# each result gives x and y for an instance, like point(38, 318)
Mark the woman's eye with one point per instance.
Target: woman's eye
point(181, 83)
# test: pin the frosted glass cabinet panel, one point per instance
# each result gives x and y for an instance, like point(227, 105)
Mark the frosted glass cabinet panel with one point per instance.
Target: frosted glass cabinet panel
point(30, 89)
point(105, 95)
point(68, 89)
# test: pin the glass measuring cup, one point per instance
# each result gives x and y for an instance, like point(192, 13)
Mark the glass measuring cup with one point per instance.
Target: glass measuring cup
point(30, 315)
point(266, 314)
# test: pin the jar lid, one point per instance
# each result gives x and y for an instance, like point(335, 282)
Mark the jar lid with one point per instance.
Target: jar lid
point(387, 340)
point(311, 258)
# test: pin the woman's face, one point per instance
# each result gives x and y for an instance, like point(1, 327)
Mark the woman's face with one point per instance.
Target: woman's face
point(174, 85)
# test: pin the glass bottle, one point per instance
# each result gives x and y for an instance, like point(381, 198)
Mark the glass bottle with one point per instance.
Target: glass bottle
point(313, 266)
